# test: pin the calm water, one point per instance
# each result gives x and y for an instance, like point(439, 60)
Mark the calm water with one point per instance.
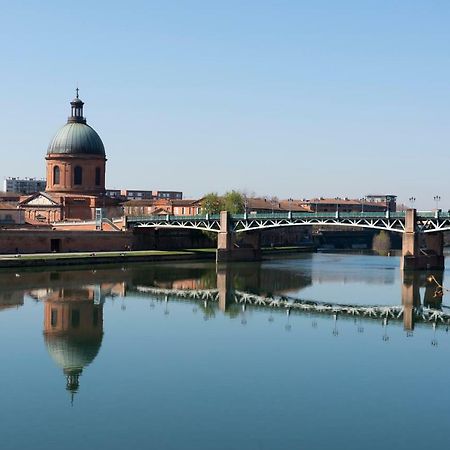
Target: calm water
point(117, 358)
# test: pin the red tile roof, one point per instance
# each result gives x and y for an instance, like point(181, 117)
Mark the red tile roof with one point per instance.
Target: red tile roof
point(8, 206)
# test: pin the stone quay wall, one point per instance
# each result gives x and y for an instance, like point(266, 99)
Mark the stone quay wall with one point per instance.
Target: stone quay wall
point(47, 241)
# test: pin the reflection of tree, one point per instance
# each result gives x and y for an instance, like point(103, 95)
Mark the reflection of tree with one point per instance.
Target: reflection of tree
point(233, 311)
point(208, 310)
point(208, 279)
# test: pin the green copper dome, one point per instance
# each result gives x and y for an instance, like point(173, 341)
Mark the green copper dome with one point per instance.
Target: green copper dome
point(76, 137)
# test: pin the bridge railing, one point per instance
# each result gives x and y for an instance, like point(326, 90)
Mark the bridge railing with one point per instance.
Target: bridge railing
point(168, 217)
point(293, 215)
point(318, 215)
point(433, 214)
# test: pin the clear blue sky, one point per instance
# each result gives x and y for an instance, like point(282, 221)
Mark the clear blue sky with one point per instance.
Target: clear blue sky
point(289, 98)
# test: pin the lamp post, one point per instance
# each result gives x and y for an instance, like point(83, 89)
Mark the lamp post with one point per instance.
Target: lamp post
point(412, 200)
point(274, 203)
point(437, 199)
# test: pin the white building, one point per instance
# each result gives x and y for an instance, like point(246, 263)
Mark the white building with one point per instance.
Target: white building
point(24, 185)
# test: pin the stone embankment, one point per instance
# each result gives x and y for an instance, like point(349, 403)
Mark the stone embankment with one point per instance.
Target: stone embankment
point(94, 258)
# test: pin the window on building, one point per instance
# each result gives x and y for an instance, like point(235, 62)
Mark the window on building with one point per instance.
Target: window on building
point(78, 175)
point(56, 175)
point(97, 176)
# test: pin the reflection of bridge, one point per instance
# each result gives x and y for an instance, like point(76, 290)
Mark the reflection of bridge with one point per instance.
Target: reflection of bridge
point(411, 309)
point(410, 223)
point(291, 304)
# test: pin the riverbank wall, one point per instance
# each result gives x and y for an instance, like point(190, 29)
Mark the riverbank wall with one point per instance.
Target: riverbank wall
point(45, 241)
point(95, 258)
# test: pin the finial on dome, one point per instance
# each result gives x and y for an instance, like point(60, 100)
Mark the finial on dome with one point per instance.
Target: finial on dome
point(76, 90)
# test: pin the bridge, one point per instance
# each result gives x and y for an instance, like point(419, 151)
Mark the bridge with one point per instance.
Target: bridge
point(412, 224)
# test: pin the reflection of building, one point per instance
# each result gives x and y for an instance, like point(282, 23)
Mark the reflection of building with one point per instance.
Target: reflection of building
point(10, 299)
point(73, 330)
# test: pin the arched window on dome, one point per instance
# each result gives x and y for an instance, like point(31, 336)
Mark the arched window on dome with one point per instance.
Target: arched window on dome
point(98, 174)
point(56, 175)
point(78, 176)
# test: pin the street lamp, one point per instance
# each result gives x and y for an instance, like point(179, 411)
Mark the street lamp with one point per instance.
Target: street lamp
point(412, 200)
point(437, 199)
point(245, 204)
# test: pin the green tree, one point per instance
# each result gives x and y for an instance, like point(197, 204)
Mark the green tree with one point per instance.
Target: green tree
point(233, 202)
point(381, 243)
point(212, 203)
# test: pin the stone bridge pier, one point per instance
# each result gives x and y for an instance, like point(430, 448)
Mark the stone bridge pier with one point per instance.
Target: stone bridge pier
point(229, 248)
point(431, 257)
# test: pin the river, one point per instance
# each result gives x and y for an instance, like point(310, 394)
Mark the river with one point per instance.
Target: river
point(283, 354)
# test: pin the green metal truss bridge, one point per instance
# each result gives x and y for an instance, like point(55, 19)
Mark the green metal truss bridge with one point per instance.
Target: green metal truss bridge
point(426, 221)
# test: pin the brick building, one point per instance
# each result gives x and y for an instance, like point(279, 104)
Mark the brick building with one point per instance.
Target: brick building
point(162, 206)
point(76, 167)
point(11, 215)
point(254, 205)
point(370, 203)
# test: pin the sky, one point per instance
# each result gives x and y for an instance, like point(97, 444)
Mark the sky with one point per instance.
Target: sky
point(284, 98)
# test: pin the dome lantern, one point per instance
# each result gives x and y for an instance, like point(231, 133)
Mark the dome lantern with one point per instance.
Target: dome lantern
point(76, 110)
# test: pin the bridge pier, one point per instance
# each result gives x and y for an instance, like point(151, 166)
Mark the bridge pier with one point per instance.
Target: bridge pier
point(229, 250)
point(413, 258)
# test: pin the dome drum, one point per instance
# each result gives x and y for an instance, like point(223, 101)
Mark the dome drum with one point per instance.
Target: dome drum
point(76, 174)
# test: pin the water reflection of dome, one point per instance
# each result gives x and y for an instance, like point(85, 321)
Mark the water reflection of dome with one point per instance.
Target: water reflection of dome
point(73, 332)
point(72, 354)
